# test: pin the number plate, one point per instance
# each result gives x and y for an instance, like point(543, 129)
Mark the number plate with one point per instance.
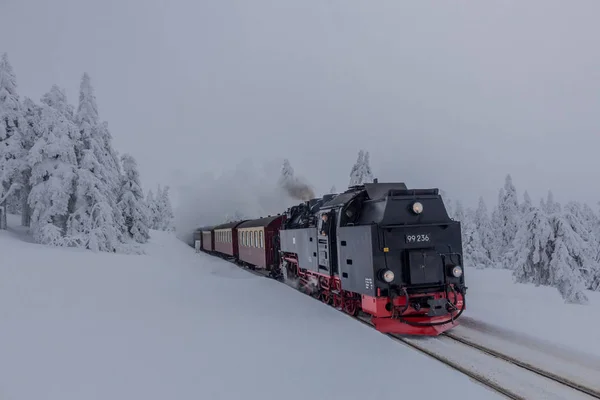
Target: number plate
point(418, 238)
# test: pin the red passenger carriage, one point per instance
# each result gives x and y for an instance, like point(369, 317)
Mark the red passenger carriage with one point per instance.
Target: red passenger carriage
point(256, 238)
point(226, 238)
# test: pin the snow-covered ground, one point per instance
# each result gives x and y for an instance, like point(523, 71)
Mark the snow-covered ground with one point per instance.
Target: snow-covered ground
point(524, 312)
point(173, 324)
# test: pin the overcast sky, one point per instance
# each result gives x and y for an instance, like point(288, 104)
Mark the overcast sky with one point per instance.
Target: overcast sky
point(451, 94)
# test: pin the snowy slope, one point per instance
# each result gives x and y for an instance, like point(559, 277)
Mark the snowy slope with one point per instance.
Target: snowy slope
point(173, 324)
point(526, 312)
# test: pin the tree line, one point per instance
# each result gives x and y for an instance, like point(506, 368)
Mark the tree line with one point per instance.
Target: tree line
point(61, 173)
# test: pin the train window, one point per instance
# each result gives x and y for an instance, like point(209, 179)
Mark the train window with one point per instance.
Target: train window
point(262, 240)
point(252, 242)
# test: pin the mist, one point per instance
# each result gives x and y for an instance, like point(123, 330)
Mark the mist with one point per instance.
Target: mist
point(248, 189)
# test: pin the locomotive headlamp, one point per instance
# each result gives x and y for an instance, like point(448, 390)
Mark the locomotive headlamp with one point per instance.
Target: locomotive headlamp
point(417, 207)
point(457, 271)
point(388, 276)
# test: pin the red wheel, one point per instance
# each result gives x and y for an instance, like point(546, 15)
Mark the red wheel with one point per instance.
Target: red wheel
point(351, 307)
point(326, 297)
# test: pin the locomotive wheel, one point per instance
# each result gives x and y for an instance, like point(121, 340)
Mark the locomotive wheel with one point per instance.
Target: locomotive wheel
point(326, 297)
point(351, 307)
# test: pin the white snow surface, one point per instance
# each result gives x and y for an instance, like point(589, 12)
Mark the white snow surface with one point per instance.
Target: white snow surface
point(179, 325)
point(526, 313)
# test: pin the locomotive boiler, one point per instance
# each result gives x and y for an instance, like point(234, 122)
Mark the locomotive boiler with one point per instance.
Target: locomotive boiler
point(382, 250)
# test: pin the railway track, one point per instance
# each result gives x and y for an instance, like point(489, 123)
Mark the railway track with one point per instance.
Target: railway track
point(513, 378)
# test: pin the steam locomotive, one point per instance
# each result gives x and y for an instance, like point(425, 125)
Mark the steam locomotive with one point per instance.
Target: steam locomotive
point(380, 251)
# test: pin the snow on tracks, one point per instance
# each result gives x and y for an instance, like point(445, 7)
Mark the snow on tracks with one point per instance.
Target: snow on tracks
point(507, 375)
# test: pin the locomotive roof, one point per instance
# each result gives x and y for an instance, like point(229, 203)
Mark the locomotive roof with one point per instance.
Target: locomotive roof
point(229, 225)
point(341, 199)
point(261, 222)
point(378, 190)
point(205, 228)
point(374, 191)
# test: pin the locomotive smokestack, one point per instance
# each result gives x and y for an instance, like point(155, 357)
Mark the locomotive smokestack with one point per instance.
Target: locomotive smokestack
point(375, 180)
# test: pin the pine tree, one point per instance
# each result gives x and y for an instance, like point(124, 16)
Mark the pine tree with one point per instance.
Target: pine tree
point(508, 209)
point(361, 171)
point(53, 169)
point(332, 190)
point(459, 212)
point(474, 253)
point(550, 206)
point(12, 141)
point(93, 223)
point(151, 209)
point(366, 173)
point(131, 201)
point(485, 231)
point(165, 217)
point(527, 206)
point(548, 251)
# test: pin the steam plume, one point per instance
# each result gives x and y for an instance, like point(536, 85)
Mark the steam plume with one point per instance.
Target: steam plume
point(298, 190)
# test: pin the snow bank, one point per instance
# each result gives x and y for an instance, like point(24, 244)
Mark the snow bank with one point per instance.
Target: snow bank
point(539, 311)
point(173, 324)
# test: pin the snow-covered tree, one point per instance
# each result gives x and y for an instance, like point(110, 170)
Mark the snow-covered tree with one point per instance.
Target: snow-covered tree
point(526, 206)
point(485, 232)
point(12, 141)
point(96, 223)
point(550, 206)
point(131, 201)
point(165, 216)
point(151, 210)
point(508, 213)
point(548, 251)
point(361, 170)
point(459, 212)
point(53, 169)
point(332, 190)
point(474, 253)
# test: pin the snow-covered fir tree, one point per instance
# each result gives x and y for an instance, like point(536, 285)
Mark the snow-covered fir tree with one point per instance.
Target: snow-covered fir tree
point(550, 206)
point(131, 201)
point(151, 210)
point(459, 212)
point(508, 213)
point(93, 224)
point(361, 170)
point(164, 211)
point(548, 251)
point(332, 190)
point(527, 205)
point(485, 231)
point(475, 254)
point(53, 169)
point(13, 146)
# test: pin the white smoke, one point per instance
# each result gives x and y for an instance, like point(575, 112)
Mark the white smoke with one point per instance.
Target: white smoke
point(249, 190)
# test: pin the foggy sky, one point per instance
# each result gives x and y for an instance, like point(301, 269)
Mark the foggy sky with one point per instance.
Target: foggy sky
point(443, 94)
